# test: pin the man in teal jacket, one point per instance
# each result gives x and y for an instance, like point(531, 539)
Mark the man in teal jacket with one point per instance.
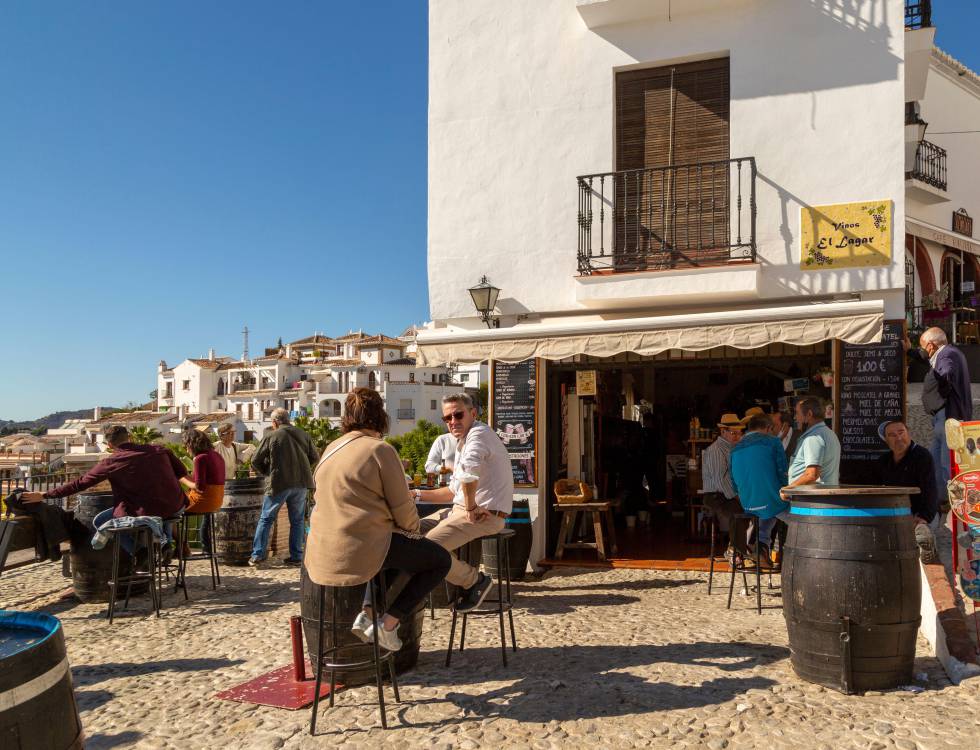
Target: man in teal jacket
point(759, 469)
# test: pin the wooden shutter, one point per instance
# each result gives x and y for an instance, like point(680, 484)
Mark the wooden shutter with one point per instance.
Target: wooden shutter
point(675, 116)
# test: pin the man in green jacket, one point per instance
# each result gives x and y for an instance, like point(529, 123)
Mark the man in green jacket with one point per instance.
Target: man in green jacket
point(285, 457)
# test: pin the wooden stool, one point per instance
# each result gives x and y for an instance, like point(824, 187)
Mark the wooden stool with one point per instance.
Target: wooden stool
point(571, 513)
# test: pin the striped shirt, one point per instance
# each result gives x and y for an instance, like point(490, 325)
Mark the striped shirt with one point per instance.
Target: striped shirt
point(716, 468)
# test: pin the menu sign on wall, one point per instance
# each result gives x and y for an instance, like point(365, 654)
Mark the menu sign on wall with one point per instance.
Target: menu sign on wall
point(870, 390)
point(514, 416)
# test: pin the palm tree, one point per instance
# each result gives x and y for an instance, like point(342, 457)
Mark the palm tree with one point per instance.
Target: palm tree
point(143, 435)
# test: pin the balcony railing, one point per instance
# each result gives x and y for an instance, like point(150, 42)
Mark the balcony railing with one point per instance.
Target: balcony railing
point(930, 165)
point(405, 413)
point(918, 14)
point(667, 217)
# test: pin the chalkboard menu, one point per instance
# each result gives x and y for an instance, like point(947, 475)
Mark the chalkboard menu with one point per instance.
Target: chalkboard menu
point(870, 390)
point(514, 416)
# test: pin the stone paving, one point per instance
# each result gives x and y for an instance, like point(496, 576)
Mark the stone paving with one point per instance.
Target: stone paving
point(616, 658)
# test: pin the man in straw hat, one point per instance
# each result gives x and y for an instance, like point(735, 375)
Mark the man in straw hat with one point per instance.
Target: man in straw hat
point(720, 496)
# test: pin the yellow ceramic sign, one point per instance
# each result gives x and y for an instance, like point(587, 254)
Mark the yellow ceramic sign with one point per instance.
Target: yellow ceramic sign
point(846, 235)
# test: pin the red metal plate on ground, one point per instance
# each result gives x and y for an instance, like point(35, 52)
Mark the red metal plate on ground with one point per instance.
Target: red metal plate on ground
point(278, 689)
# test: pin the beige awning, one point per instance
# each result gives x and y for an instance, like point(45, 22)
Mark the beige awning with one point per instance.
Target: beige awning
point(803, 325)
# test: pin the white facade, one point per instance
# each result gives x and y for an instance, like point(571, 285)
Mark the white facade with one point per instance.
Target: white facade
point(949, 103)
point(523, 101)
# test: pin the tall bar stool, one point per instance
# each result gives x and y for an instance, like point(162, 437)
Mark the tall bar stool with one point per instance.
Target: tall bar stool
point(376, 658)
point(740, 528)
point(713, 535)
point(498, 606)
point(142, 536)
point(172, 566)
point(208, 551)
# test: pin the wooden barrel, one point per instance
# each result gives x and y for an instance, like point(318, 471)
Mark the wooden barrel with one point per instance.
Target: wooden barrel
point(520, 544)
point(471, 552)
point(235, 521)
point(91, 568)
point(37, 705)
point(851, 587)
point(349, 600)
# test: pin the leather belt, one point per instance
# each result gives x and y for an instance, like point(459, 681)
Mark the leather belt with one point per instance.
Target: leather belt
point(499, 513)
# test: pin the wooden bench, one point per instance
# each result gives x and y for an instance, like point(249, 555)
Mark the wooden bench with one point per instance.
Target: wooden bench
point(569, 520)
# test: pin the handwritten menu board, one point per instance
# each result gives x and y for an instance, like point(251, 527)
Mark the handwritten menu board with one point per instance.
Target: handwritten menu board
point(870, 390)
point(514, 416)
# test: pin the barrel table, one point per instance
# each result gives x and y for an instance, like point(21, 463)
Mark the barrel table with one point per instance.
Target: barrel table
point(851, 586)
point(236, 520)
point(445, 593)
point(348, 601)
point(37, 705)
point(520, 544)
point(92, 568)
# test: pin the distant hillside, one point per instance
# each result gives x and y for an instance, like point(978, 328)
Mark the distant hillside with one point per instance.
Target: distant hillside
point(50, 421)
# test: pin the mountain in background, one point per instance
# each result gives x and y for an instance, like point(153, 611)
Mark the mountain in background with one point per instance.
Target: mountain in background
point(51, 421)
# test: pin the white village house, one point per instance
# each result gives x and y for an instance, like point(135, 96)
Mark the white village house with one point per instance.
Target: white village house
point(311, 376)
point(680, 208)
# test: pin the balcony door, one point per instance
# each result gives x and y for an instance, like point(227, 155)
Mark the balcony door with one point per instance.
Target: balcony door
point(673, 183)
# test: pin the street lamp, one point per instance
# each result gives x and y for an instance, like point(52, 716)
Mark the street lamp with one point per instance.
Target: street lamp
point(484, 297)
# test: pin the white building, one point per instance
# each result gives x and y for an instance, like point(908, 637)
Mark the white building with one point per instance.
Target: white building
point(703, 140)
point(943, 192)
point(311, 376)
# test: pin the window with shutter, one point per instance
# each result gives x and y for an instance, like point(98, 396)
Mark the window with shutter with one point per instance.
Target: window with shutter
point(672, 150)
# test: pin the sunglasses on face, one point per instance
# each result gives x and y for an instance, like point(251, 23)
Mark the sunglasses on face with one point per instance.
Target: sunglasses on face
point(457, 415)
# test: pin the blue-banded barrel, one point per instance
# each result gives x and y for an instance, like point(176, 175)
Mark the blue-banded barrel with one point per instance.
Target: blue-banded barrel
point(237, 518)
point(852, 587)
point(37, 704)
point(520, 544)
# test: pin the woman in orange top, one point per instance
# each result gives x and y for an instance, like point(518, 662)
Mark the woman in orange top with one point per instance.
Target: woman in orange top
point(206, 488)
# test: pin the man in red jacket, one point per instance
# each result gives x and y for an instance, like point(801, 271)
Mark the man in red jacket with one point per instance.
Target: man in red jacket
point(144, 480)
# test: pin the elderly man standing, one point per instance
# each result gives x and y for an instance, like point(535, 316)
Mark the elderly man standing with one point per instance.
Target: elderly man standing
point(481, 492)
point(759, 469)
point(234, 454)
point(817, 457)
point(285, 457)
point(720, 495)
point(910, 465)
point(946, 394)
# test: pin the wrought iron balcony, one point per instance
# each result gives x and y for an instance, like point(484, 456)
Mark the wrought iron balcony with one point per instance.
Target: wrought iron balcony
point(918, 14)
point(405, 413)
point(662, 218)
point(930, 165)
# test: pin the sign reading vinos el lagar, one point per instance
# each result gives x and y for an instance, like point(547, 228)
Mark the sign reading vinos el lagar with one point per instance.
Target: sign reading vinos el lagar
point(846, 235)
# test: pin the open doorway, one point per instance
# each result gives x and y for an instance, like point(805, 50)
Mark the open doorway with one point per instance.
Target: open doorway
point(637, 442)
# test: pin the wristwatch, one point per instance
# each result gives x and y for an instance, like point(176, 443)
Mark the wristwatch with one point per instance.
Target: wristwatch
point(418, 494)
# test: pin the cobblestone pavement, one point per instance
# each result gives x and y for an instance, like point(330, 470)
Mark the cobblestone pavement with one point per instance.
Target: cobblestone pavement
point(623, 658)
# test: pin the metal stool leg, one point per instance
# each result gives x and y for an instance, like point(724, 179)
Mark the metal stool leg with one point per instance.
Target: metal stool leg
point(731, 581)
point(510, 602)
point(333, 636)
point(452, 638)
point(462, 633)
point(114, 576)
point(500, 602)
point(711, 558)
point(215, 573)
point(153, 565)
point(319, 663)
point(377, 658)
point(758, 574)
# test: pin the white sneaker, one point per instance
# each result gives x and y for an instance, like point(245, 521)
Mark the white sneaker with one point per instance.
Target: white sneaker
point(387, 639)
point(361, 628)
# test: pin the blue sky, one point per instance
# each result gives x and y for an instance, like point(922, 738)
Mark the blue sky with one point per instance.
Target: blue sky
point(170, 172)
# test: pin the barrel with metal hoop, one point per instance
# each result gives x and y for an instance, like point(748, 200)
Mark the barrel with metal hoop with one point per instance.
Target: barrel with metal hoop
point(851, 586)
point(519, 522)
point(92, 568)
point(37, 705)
point(236, 520)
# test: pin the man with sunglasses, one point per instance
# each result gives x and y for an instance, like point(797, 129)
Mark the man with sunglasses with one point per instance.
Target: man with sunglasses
point(481, 493)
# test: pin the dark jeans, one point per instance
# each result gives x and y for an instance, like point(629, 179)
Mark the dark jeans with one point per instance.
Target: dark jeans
point(425, 563)
point(723, 508)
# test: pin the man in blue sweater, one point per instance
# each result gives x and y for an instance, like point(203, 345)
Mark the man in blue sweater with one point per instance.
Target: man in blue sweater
point(759, 470)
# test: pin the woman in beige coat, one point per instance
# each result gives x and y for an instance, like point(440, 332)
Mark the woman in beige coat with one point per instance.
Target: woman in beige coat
point(365, 520)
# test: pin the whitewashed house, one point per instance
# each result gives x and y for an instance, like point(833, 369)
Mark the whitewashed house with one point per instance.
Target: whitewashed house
point(678, 207)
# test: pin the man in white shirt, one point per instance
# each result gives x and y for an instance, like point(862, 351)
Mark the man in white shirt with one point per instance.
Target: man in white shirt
point(441, 454)
point(481, 493)
point(234, 454)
